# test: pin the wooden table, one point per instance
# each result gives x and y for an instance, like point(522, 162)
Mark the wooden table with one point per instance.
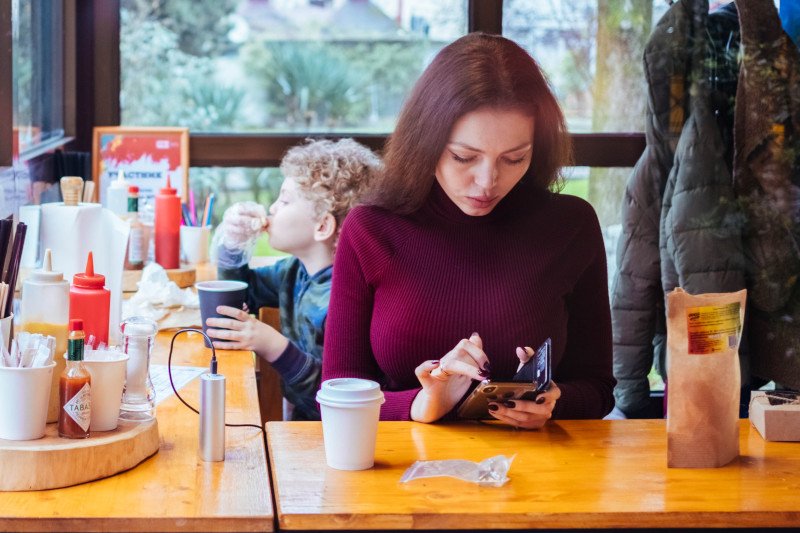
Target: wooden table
point(572, 474)
point(173, 490)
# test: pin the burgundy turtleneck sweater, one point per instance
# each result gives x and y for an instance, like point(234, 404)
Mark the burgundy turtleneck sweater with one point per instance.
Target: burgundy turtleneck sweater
point(407, 288)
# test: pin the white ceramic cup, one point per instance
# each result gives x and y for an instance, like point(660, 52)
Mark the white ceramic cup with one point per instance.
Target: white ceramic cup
point(24, 395)
point(108, 381)
point(194, 243)
point(350, 408)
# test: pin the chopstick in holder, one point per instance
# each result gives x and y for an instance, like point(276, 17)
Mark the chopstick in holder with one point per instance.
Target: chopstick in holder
point(88, 191)
point(6, 225)
point(3, 296)
point(13, 267)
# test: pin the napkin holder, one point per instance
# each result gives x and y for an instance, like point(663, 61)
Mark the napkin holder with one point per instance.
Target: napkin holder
point(775, 422)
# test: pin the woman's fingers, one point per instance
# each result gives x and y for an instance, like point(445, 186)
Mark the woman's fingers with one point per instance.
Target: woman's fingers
point(552, 394)
point(526, 413)
point(449, 367)
point(466, 359)
point(476, 340)
point(426, 369)
point(522, 413)
point(530, 423)
point(467, 350)
point(524, 355)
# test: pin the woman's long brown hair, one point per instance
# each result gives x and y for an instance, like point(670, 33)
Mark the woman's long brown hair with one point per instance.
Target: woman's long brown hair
point(478, 70)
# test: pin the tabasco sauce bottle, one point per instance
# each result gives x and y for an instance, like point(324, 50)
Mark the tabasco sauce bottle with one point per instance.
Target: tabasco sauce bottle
point(137, 246)
point(75, 388)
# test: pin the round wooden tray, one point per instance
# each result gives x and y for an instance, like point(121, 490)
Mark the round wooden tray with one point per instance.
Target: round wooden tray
point(185, 276)
point(52, 462)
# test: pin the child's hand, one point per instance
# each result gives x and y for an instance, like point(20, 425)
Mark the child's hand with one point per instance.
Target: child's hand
point(242, 223)
point(244, 332)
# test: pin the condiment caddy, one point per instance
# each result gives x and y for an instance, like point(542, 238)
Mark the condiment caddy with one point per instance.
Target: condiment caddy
point(35, 455)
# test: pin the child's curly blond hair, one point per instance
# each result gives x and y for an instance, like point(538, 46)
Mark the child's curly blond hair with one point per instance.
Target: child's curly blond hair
point(334, 175)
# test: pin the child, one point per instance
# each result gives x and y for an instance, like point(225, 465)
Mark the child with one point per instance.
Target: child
point(323, 181)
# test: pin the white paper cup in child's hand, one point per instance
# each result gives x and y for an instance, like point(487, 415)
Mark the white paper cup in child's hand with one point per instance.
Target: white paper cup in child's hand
point(24, 396)
point(350, 408)
point(194, 243)
point(108, 368)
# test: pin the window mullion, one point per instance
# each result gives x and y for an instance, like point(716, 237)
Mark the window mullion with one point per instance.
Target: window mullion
point(6, 87)
point(485, 15)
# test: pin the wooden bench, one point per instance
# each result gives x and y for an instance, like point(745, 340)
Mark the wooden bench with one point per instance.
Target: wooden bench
point(268, 381)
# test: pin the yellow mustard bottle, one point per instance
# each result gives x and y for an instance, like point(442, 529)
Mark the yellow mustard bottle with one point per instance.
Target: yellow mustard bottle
point(45, 309)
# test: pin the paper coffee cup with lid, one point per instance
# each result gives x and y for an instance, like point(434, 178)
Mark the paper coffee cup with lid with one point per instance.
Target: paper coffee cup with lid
point(350, 408)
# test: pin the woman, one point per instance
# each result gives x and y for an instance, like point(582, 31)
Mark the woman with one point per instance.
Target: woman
point(463, 240)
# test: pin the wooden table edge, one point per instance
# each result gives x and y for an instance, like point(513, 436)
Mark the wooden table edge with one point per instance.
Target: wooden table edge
point(461, 521)
point(139, 525)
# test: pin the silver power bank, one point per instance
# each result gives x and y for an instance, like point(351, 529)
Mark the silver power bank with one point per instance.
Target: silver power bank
point(212, 417)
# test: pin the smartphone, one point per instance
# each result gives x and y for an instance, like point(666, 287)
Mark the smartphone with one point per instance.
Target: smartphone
point(537, 369)
point(529, 382)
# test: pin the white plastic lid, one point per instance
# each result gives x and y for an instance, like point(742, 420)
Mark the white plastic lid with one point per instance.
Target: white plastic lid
point(221, 285)
point(46, 273)
point(120, 182)
point(349, 391)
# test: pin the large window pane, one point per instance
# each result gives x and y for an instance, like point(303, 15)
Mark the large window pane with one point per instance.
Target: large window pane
point(278, 65)
point(592, 53)
point(582, 182)
point(37, 64)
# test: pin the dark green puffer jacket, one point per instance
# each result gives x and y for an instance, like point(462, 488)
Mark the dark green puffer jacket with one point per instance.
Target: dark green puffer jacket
point(766, 176)
point(637, 300)
point(701, 224)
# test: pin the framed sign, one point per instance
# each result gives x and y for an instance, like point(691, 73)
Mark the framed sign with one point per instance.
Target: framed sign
point(146, 156)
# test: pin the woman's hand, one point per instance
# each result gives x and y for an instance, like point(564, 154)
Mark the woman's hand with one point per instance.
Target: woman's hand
point(244, 332)
point(445, 381)
point(526, 414)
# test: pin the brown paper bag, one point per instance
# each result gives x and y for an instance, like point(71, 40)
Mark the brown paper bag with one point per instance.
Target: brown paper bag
point(703, 334)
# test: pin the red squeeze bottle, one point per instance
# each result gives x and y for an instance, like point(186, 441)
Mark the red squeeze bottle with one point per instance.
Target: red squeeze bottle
point(90, 300)
point(168, 227)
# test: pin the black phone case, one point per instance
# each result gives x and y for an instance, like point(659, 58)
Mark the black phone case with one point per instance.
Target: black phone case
point(537, 369)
